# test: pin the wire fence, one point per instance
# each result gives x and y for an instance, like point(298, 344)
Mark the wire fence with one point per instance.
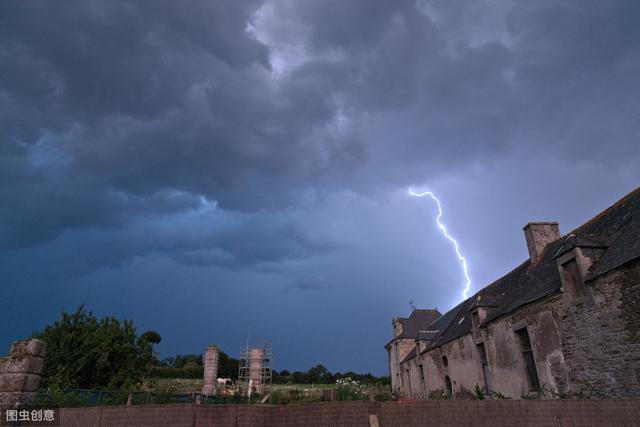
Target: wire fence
point(80, 398)
point(275, 394)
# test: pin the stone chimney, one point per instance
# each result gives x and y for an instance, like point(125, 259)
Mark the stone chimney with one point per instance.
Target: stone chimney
point(538, 235)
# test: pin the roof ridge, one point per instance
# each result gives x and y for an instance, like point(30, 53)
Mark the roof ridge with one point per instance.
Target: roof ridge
point(616, 205)
point(545, 272)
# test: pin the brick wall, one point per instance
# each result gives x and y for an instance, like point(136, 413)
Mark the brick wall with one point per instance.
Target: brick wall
point(20, 372)
point(522, 413)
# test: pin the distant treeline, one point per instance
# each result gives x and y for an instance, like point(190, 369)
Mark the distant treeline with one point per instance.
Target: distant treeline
point(190, 366)
point(87, 352)
point(321, 375)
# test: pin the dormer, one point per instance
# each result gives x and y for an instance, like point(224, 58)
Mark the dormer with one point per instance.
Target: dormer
point(574, 258)
point(397, 327)
point(479, 310)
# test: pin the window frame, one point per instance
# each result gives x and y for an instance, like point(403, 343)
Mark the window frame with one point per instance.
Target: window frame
point(526, 348)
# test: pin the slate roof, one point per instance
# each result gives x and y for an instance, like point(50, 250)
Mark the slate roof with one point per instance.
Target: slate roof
point(573, 241)
point(616, 231)
point(418, 320)
point(410, 355)
point(416, 324)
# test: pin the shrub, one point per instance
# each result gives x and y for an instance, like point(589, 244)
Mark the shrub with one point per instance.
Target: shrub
point(479, 392)
point(348, 389)
point(86, 352)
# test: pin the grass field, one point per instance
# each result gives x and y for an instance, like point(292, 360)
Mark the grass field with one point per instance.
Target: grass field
point(188, 385)
point(302, 386)
point(178, 385)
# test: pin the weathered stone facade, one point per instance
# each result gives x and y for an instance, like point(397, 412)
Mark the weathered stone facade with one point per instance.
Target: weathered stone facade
point(565, 322)
point(403, 343)
point(20, 372)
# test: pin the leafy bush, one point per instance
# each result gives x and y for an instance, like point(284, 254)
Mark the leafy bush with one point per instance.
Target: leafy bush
point(348, 389)
point(498, 395)
point(385, 396)
point(86, 352)
point(479, 392)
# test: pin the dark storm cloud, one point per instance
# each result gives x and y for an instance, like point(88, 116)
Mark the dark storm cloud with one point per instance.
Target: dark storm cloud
point(134, 100)
point(242, 143)
point(305, 285)
point(140, 98)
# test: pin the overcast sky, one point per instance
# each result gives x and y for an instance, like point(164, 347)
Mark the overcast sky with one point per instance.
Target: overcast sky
point(216, 170)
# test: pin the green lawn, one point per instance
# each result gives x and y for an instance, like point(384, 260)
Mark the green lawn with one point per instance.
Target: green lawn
point(302, 386)
point(178, 385)
point(188, 385)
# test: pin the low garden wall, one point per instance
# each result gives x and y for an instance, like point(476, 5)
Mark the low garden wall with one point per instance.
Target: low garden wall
point(521, 413)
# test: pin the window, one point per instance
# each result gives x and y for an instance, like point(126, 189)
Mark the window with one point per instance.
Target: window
point(485, 366)
point(476, 318)
point(447, 384)
point(572, 279)
point(423, 382)
point(475, 322)
point(445, 362)
point(409, 382)
point(529, 362)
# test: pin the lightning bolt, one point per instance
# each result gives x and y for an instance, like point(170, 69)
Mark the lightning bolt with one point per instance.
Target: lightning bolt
point(443, 229)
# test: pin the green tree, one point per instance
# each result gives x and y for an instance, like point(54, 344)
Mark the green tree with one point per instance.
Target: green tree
point(314, 374)
point(227, 366)
point(300, 377)
point(152, 337)
point(181, 360)
point(86, 352)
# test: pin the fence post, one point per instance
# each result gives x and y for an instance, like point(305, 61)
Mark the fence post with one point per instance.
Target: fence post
point(99, 398)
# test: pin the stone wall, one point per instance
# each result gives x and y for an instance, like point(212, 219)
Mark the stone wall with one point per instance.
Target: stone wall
point(601, 335)
point(435, 372)
point(587, 345)
point(463, 365)
point(523, 413)
point(507, 366)
point(411, 380)
point(397, 351)
point(20, 372)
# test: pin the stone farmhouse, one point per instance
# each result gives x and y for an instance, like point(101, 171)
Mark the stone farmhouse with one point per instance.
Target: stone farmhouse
point(564, 322)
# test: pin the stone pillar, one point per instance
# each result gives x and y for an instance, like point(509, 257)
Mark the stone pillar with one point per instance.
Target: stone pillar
point(256, 367)
point(211, 358)
point(20, 372)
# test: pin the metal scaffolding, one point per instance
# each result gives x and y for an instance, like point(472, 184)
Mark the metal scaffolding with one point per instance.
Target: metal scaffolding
point(255, 371)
